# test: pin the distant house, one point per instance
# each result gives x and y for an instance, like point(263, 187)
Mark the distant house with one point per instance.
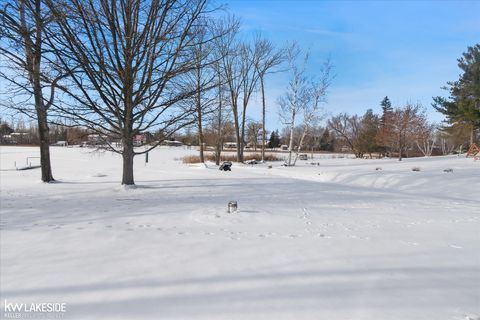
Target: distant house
point(96, 139)
point(60, 144)
point(230, 145)
point(16, 138)
point(252, 145)
point(139, 139)
point(172, 143)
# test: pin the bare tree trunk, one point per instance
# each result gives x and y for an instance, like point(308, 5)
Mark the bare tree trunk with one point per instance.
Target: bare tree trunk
point(200, 132)
point(304, 133)
point(263, 117)
point(472, 133)
point(400, 149)
point(127, 154)
point(290, 143)
point(44, 133)
point(237, 132)
point(242, 138)
point(34, 55)
point(218, 150)
point(198, 102)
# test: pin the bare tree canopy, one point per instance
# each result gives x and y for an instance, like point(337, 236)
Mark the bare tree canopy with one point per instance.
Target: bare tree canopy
point(128, 62)
point(268, 59)
point(303, 97)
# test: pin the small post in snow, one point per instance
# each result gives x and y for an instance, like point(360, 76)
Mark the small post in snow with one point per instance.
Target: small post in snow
point(232, 207)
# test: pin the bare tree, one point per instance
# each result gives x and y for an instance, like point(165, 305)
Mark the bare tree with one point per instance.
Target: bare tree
point(316, 94)
point(228, 29)
point(238, 65)
point(127, 61)
point(404, 124)
point(254, 130)
point(347, 128)
point(249, 56)
point(446, 142)
point(204, 76)
point(295, 98)
point(26, 67)
point(425, 137)
point(303, 99)
point(268, 59)
point(230, 70)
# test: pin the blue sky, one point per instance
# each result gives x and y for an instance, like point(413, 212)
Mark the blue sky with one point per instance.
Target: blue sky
point(404, 49)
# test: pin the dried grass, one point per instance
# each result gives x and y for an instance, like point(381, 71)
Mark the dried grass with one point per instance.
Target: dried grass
point(231, 157)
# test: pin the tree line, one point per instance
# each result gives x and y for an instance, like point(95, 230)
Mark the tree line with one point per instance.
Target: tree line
point(167, 68)
point(127, 67)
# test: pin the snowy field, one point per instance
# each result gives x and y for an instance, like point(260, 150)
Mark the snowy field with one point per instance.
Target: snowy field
point(336, 241)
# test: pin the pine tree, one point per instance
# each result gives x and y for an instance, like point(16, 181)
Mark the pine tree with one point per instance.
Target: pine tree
point(462, 108)
point(386, 110)
point(274, 141)
point(385, 125)
point(326, 141)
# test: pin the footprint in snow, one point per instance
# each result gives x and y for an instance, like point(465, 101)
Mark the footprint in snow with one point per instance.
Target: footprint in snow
point(410, 243)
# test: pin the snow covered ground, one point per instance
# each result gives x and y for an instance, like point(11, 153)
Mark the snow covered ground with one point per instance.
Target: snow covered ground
point(341, 240)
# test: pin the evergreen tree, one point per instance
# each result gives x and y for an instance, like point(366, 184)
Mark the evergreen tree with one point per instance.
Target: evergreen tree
point(369, 127)
point(326, 141)
point(386, 110)
point(274, 141)
point(462, 108)
point(383, 135)
point(5, 128)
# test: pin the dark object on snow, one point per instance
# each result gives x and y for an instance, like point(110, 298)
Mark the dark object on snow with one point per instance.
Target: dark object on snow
point(416, 169)
point(226, 166)
point(28, 167)
point(232, 207)
point(378, 169)
point(253, 161)
point(303, 156)
point(448, 170)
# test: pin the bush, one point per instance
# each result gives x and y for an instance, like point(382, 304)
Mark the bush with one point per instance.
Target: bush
point(230, 157)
